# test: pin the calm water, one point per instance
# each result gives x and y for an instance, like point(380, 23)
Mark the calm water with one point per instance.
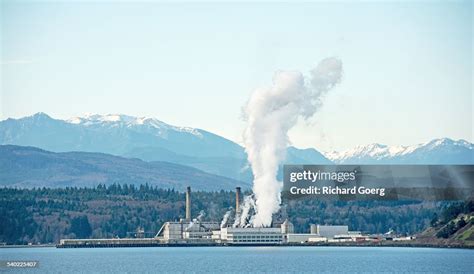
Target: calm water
point(244, 259)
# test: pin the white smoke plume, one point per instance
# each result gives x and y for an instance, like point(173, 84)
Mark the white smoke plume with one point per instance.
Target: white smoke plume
point(200, 216)
point(237, 219)
point(197, 219)
point(242, 219)
point(270, 113)
point(225, 219)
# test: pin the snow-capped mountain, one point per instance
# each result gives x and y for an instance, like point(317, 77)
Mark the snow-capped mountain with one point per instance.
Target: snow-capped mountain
point(150, 140)
point(114, 134)
point(145, 138)
point(437, 151)
point(121, 120)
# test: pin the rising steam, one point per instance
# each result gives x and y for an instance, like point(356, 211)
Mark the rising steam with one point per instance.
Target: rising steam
point(225, 219)
point(244, 218)
point(196, 220)
point(270, 113)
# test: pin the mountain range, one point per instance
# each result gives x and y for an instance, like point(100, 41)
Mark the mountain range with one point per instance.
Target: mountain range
point(150, 140)
point(29, 167)
point(138, 137)
point(437, 151)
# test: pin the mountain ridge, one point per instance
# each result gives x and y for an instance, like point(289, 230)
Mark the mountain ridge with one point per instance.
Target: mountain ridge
point(145, 138)
point(384, 154)
point(150, 139)
point(26, 166)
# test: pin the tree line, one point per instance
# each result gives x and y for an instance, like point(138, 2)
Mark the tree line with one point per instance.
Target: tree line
point(46, 215)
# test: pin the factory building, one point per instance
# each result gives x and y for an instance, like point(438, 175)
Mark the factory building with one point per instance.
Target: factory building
point(287, 227)
point(200, 230)
point(329, 231)
point(350, 236)
point(252, 235)
point(194, 230)
point(317, 239)
point(298, 237)
point(182, 230)
point(187, 229)
point(291, 237)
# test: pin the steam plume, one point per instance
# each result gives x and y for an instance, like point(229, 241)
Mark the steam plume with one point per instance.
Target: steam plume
point(271, 112)
point(197, 219)
point(242, 219)
point(226, 218)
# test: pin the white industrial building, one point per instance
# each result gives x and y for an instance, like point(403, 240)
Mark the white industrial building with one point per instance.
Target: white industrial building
point(329, 231)
point(317, 239)
point(252, 235)
point(298, 237)
point(287, 227)
point(186, 230)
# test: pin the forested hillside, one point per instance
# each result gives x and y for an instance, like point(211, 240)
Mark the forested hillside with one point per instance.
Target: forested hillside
point(46, 215)
point(454, 226)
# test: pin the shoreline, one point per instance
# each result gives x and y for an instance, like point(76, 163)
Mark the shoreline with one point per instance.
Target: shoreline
point(407, 245)
point(28, 246)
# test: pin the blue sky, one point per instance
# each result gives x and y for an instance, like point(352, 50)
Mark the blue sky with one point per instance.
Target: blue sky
point(407, 66)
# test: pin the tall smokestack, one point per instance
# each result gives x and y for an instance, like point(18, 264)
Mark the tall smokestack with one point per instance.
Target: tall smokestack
point(237, 200)
point(188, 203)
